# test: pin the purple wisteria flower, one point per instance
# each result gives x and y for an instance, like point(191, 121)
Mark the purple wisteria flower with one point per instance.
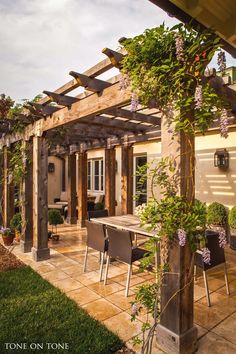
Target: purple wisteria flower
point(206, 255)
point(222, 238)
point(5, 230)
point(182, 237)
point(198, 97)
point(124, 82)
point(224, 122)
point(221, 61)
point(179, 45)
point(134, 102)
point(134, 310)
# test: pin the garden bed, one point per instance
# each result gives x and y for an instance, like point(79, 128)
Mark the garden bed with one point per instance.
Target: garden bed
point(8, 260)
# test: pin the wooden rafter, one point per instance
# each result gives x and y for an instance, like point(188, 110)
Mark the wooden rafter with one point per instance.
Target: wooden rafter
point(45, 110)
point(140, 117)
point(116, 123)
point(115, 57)
point(89, 83)
point(60, 99)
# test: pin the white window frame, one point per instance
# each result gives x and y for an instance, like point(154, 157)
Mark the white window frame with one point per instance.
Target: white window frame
point(100, 175)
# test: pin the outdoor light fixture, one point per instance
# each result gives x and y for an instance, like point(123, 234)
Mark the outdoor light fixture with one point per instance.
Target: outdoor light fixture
point(51, 167)
point(221, 158)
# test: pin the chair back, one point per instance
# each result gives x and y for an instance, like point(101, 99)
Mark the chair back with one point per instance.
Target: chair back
point(120, 244)
point(217, 252)
point(96, 237)
point(97, 213)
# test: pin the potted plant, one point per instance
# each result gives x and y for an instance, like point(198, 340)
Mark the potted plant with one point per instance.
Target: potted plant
point(232, 224)
point(16, 225)
point(7, 235)
point(54, 218)
point(216, 215)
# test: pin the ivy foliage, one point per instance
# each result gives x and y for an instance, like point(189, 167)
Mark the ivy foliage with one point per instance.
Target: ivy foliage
point(170, 212)
point(161, 79)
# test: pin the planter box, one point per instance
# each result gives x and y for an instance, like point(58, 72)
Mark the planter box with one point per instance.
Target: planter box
point(233, 239)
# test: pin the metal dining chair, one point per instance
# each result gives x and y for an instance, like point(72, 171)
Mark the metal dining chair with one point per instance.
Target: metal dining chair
point(217, 258)
point(96, 239)
point(92, 214)
point(120, 247)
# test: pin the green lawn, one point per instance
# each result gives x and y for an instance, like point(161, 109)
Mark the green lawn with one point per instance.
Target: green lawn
point(33, 311)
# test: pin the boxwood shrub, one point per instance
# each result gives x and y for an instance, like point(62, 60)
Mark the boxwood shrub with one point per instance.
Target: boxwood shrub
point(216, 214)
point(232, 217)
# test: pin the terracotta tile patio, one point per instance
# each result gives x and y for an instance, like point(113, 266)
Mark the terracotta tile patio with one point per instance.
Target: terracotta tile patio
point(216, 325)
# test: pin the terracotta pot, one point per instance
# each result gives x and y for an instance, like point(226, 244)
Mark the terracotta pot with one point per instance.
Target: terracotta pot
point(17, 235)
point(8, 239)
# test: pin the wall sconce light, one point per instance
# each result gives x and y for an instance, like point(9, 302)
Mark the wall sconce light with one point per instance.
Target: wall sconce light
point(51, 167)
point(221, 158)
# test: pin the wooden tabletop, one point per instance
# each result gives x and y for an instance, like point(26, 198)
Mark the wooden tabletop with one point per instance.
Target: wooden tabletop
point(127, 222)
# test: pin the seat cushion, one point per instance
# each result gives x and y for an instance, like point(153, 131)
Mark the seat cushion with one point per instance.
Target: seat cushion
point(138, 253)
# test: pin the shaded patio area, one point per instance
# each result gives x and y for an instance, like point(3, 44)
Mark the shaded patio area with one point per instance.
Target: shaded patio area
point(216, 325)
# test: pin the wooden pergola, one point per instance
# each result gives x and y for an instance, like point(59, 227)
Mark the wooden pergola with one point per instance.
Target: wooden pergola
point(100, 117)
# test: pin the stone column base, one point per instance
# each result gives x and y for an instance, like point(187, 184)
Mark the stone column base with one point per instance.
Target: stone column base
point(81, 224)
point(40, 254)
point(25, 246)
point(172, 343)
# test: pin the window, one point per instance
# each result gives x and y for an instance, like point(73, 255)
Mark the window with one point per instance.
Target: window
point(95, 175)
point(140, 188)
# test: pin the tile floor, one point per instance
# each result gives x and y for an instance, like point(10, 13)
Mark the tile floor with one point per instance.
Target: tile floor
point(216, 325)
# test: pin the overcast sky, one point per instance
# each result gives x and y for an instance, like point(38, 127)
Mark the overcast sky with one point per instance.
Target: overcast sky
point(42, 40)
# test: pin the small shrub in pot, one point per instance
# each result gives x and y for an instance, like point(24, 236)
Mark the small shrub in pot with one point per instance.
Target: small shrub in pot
point(16, 224)
point(216, 214)
point(54, 218)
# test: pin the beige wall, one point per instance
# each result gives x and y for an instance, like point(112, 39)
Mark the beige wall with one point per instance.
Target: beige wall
point(213, 183)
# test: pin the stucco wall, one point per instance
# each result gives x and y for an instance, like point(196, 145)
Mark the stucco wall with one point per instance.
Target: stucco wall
point(54, 180)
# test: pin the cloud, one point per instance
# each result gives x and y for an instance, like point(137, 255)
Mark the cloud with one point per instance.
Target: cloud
point(41, 41)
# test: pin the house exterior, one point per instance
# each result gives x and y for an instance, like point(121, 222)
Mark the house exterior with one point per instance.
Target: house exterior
point(212, 183)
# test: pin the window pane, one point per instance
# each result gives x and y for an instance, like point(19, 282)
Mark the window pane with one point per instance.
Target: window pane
point(89, 167)
point(140, 186)
point(96, 167)
point(96, 183)
point(89, 182)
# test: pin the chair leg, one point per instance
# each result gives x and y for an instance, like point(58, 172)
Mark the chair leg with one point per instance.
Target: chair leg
point(206, 288)
point(128, 279)
point(99, 258)
point(195, 273)
point(101, 266)
point(85, 259)
point(226, 280)
point(106, 270)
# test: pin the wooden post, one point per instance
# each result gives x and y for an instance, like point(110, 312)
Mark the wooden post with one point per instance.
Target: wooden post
point(176, 332)
point(82, 188)
point(127, 179)
point(71, 189)
point(8, 193)
point(40, 248)
point(26, 241)
point(1, 186)
point(110, 180)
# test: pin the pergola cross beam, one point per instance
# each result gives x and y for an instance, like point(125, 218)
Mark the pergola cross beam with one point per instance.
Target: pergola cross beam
point(60, 99)
point(91, 84)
